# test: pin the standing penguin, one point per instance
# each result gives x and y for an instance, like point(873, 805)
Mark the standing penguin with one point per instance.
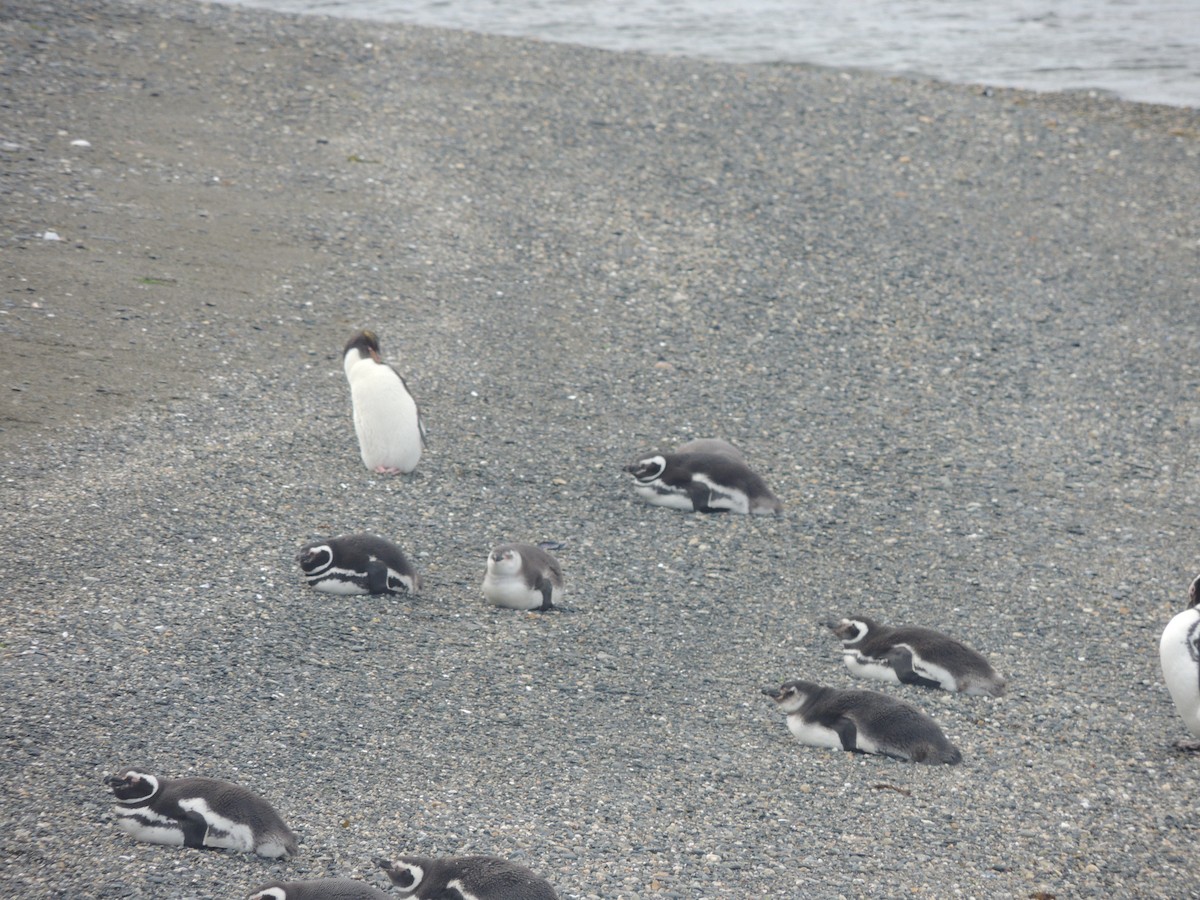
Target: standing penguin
point(703, 475)
point(1179, 653)
point(386, 417)
point(910, 655)
point(861, 721)
point(319, 889)
point(204, 813)
point(465, 878)
point(522, 576)
point(357, 564)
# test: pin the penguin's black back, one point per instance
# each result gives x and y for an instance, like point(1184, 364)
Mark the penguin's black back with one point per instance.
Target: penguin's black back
point(898, 728)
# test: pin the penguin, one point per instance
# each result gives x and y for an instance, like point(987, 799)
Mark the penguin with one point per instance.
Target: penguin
point(910, 655)
point(465, 878)
point(357, 564)
point(204, 813)
point(387, 420)
point(862, 722)
point(319, 889)
point(1179, 653)
point(703, 475)
point(522, 576)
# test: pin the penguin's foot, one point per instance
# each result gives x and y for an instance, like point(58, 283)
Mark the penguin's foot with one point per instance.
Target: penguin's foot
point(387, 470)
point(1187, 746)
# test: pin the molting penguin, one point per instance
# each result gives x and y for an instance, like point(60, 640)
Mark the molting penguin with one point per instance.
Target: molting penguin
point(357, 564)
point(465, 878)
point(861, 721)
point(522, 576)
point(204, 813)
point(319, 889)
point(910, 655)
point(1179, 652)
point(386, 417)
point(703, 475)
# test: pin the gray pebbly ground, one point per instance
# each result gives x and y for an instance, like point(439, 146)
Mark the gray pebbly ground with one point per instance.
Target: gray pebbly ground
point(955, 329)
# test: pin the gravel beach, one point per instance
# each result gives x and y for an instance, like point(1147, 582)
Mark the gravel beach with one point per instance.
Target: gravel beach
point(953, 327)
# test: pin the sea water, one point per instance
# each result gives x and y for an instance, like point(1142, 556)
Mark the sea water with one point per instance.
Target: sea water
point(1145, 50)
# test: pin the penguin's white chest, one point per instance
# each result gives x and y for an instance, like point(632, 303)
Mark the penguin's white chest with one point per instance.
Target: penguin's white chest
point(867, 667)
point(660, 495)
point(1179, 652)
point(338, 581)
point(813, 734)
point(385, 417)
point(512, 592)
point(145, 824)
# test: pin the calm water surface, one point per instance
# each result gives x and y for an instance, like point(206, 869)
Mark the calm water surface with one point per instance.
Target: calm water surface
point(1147, 50)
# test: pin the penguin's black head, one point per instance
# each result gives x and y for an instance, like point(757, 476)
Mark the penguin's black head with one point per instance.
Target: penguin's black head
point(647, 469)
point(406, 873)
point(1194, 593)
point(131, 786)
point(365, 342)
point(315, 558)
point(851, 631)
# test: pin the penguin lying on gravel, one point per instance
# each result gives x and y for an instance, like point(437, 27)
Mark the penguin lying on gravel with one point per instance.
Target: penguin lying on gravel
point(861, 721)
point(522, 576)
point(909, 655)
point(387, 420)
point(204, 813)
point(704, 475)
point(465, 878)
point(319, 889)
point(1179, 653)
point(357, 564)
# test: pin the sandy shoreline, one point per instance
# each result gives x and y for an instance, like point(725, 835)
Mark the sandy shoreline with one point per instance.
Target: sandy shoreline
point(954, 330)
point(170, 217)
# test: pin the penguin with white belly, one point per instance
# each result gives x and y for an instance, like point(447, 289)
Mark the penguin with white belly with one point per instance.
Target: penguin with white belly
point(465, 878)
point(861, 722)
point(387, 420)
point(707, 475)
point(357, 564)
point(913, 655)
point(319, 889)
point(523, 576)
point(1179, 653)
point(204, 813)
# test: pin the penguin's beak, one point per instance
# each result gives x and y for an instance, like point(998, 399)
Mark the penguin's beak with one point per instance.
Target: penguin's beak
point(771, 692)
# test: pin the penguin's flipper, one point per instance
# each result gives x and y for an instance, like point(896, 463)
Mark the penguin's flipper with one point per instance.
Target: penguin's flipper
point(546, 589)
point(195, 830)
point(423, 432)
point(703, 497)
point(377, 578)
point(900, 659)
point(847, 732)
